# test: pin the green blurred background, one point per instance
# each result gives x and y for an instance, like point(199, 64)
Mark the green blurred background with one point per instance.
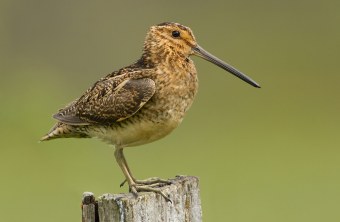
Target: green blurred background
point(269, 154)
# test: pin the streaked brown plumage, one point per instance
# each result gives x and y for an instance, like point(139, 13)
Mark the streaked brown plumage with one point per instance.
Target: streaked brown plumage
point(142, 102)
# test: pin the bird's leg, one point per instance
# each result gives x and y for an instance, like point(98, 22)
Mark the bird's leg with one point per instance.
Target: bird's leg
point(122, 164)
point(154, 181)
point(136, 185)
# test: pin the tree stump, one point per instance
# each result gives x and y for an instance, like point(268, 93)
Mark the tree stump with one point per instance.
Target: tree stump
point(185, 204)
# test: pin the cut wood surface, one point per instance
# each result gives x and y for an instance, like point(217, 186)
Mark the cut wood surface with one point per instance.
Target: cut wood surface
point(185, 205)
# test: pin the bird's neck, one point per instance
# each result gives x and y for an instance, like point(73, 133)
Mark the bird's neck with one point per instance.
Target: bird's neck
point(163, 57)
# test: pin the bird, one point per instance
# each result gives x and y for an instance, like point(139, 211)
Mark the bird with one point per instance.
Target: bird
point(142, 102)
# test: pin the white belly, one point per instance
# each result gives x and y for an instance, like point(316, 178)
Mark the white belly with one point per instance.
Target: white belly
point(136, 134)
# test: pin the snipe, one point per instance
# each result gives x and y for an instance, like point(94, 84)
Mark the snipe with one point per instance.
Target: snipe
point(142, 102)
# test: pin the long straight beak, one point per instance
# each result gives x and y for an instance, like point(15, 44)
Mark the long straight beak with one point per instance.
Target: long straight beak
point(199, 51)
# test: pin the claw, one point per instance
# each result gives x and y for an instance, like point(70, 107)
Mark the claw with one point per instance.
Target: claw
point(122, 183)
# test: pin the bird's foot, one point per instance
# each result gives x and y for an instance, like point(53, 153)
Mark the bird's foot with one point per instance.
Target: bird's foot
point(135, 188)
point(149, 185)
point(153, 181)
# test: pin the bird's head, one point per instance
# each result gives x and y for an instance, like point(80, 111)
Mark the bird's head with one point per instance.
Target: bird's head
point(172, 41)
point(169, 39)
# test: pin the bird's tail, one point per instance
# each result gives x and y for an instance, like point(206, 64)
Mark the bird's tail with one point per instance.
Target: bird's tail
point(62, 130)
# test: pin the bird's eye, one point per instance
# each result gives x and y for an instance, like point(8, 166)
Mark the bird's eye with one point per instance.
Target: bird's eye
point(176, 34)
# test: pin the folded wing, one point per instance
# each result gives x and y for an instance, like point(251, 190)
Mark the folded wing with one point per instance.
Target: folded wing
point(108, 101)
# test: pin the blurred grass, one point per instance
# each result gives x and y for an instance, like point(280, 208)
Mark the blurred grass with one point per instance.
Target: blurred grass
point(267, 154)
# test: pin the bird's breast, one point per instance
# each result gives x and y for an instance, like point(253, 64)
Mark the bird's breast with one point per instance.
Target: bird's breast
point(175, 90)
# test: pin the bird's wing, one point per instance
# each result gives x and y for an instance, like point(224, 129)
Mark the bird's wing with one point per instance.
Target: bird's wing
point(109, 100)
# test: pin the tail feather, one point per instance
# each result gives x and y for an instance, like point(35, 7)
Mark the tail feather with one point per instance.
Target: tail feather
point(62, 130)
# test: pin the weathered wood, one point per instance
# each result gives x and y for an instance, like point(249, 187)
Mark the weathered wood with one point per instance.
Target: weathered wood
point(89, 208)
point(148, 206)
